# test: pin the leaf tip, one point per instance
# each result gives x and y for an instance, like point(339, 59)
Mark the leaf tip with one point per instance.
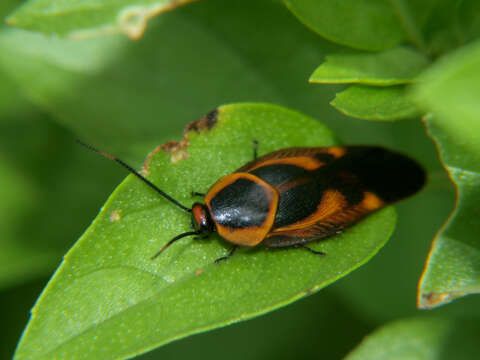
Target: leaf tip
point(432, 299)
point(177, 149)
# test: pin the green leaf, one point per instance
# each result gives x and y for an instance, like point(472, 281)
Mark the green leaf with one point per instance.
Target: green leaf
point(454, 258)
point(108, 300)
point(426, 338)
point(391, 67)
point(364, 24)
point(81, 19)
point(451, 90)
point(374, 103)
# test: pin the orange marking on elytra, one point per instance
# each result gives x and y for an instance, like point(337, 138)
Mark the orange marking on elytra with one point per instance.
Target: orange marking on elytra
point(371, 201)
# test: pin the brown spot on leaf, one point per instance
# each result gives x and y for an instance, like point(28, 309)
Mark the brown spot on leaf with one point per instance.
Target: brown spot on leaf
point(309, 291)
point(198, 272)
point(174, 148)
point(205, 123)
point(115, 216)
point(177, 149)
point(431, 300)
point(146, 165)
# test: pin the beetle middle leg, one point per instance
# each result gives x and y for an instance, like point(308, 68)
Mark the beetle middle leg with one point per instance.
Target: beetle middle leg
point(255, 149)
point(195, 193)
point(232, 251)
point(302, 246)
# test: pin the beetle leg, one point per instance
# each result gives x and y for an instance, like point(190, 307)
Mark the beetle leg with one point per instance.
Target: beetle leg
point(201, 237)
point(255, 148)
point(195, 193)
point(232, 251)
point(302, 246)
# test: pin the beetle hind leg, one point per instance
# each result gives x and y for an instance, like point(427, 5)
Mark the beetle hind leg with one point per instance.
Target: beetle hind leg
point(229, 255)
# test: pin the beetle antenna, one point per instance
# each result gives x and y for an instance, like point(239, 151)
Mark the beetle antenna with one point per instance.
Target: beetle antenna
point(189, 233)
point(137, 174)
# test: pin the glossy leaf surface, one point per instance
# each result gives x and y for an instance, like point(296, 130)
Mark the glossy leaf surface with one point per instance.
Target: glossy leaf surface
point(109, 300)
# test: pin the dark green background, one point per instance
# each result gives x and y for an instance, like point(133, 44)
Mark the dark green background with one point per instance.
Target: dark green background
point(190, 61)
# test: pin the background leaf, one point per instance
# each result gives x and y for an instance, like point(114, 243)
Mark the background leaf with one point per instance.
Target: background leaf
point(122, 85)
point(375, 103)
point(18, 198)
point(381, 24)
point(37, 161)
point(80, 19)
point(421, 338)
point(451, 89)
point(454, 258)
point(399, 65)
point(184, 291)
point(451, 24)
point(10, 98)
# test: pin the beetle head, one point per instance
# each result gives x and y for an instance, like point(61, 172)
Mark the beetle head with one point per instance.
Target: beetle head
point(201, 220)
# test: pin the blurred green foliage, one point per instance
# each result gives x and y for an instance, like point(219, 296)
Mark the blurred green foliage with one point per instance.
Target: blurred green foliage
point(427, 337)
point(127, 97)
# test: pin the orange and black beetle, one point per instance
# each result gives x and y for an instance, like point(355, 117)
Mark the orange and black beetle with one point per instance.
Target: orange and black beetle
point(293, 196)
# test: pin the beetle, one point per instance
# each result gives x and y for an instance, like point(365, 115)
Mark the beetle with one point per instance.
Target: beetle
point(297, 195)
